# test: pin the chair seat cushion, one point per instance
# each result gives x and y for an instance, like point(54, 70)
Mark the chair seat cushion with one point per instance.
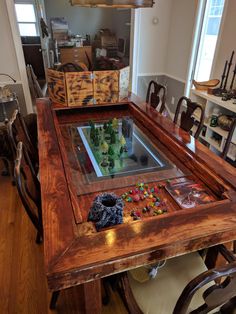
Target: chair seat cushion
point(159, 295)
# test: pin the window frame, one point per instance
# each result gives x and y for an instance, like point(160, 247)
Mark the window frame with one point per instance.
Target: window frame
point(36, 23)
point(198, 28)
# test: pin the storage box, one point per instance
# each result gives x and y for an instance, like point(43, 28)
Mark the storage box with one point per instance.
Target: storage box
point(88, 88)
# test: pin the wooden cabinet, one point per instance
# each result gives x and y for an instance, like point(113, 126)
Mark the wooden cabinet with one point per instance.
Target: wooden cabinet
point(76, 54)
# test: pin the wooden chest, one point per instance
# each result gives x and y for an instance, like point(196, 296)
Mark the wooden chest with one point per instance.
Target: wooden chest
point(88, 88)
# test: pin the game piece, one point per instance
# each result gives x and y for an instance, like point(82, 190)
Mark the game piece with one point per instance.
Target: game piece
point(127, 128)
point(113, 137)
point(136, 198)
point(111, 164)
point(104, 147)
point(109, 214)
point(96, 141)
point(122, 141)
point(115, 123)
point(110, 151)
point(104, 162)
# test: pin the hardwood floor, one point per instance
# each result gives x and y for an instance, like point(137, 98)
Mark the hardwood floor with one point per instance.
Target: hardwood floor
point(23, 287)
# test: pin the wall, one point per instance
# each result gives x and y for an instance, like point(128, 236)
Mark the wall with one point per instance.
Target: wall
point(165, 47)
point(81, 20)
point(8, 61)
point(154, 37)
point(180, 38)
point(179, 47)
point(227, 42)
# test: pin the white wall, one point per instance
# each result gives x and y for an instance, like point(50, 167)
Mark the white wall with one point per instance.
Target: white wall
point(8, 61)
point(227, 41)
point(180, 37)
point(154, 37)
point(165, 47)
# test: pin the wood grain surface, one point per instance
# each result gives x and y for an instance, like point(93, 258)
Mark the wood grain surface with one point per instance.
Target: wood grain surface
point(79, 86)
point(57, 87)
point(22, 277)
point(77, 254)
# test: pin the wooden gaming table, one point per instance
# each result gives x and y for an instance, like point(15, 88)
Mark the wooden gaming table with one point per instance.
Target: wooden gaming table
point(75, 252)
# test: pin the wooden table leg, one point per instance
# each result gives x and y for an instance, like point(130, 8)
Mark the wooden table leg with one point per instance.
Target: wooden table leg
point(93, 297)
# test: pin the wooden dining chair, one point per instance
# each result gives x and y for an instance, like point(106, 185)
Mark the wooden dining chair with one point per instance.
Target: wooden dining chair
point(187, 119)
point(183, 285)
point(229, 139)
point(18, 131)
point(5, 152)
point(28, 187)
point(156, 96)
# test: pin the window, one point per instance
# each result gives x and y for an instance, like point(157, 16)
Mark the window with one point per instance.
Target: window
point(210, 30)
point(26, 18)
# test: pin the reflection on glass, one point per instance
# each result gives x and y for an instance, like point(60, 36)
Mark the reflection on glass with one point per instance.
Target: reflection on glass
point(117, 147)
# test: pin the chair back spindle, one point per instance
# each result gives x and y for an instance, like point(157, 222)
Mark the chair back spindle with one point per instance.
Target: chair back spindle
point(156, 95)
point(28, 187)
point(18, 131)
point(228, 139)
point(186, 118)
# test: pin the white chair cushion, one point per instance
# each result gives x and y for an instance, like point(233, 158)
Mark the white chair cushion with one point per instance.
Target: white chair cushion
point(159, 295)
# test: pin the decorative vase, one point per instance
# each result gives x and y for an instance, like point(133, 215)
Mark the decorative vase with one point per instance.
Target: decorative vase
point(225, 122)
point(107, 210)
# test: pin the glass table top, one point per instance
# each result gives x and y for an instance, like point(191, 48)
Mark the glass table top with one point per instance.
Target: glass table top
point(108, 154)
point(118, 148)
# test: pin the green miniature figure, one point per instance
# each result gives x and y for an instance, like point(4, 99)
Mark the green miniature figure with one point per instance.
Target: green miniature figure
point(104, 162)
point(92, 134)
point(91, 123)
point(122, 141)
point(96, 140)
point(111, 164)
point(113, 137)
point(115, 123)
point(109, 129)
point(110, 151)
point(104, 147)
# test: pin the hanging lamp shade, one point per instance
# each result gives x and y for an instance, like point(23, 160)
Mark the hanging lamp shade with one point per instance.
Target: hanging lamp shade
point(114, 3)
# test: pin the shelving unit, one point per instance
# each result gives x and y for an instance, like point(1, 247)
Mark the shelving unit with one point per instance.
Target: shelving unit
point(209, 102)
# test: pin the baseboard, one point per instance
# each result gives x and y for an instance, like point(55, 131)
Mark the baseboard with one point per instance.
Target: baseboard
point(162, 74)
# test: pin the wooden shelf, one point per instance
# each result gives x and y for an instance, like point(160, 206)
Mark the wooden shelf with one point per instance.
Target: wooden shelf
point(214, 143)
point(209, 102)
point(216, 100)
